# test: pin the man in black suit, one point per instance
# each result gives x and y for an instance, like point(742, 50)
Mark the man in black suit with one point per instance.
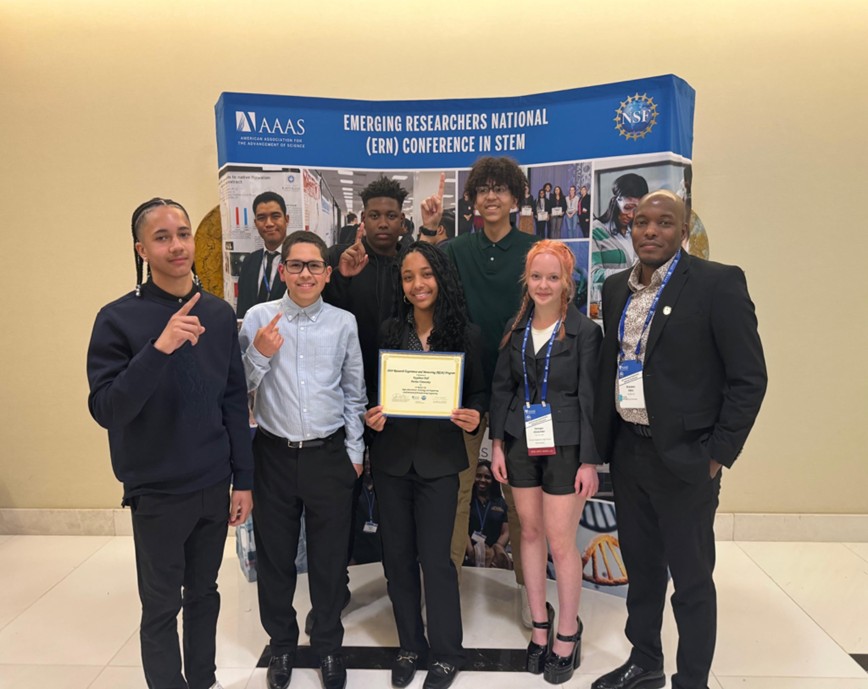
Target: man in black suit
point(258, 280)
point(682, 380)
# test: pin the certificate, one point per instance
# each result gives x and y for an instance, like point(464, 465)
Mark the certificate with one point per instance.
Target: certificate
point(420, 384)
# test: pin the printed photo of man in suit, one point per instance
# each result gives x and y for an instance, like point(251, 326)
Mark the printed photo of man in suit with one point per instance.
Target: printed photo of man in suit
point(682, 378)
point(258, 280)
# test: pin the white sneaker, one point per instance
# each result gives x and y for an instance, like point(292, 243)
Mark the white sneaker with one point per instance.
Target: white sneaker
point(526, 618)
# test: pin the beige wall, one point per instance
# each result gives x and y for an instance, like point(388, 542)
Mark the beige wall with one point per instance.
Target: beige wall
point(102, 106)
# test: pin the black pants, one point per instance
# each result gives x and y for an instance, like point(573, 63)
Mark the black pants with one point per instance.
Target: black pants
point(320, 481)
point(179, 543)
point(417, 516)
point(666, 522)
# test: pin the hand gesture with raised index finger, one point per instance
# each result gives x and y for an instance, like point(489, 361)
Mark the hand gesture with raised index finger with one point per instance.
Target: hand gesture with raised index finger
point(432, 207)
point(355, 258)
point(181, 328)
point(268, 338)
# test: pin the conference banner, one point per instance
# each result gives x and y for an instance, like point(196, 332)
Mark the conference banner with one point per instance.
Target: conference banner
point(589, 155)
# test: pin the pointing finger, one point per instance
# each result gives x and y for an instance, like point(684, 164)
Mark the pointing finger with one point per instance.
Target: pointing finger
point(186, 308)
point(360, 233)
point(275, 321)
point(442, 185)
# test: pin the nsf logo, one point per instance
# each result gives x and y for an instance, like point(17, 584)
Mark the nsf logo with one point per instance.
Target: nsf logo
point(636, 116)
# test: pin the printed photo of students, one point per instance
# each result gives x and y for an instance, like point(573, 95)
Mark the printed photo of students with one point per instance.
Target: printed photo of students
point(415, 464)
point(571, 220)
point(166, 381)
point(557, 210)
point(541, 213)
point(543, 445)
point(526, 214)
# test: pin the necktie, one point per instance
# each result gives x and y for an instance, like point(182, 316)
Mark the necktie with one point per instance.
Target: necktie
point(265, 285)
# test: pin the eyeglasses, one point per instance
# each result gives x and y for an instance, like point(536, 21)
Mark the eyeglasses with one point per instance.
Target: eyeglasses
point(499, 189)
point(295, 267)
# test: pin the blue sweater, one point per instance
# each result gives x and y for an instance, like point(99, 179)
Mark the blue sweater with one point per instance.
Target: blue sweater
point(177, 423)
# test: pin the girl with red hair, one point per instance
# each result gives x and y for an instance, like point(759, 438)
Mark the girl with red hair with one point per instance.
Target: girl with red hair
point(543, 445)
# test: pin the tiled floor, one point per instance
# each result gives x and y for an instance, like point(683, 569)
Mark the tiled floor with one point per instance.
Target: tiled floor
point(791, 616)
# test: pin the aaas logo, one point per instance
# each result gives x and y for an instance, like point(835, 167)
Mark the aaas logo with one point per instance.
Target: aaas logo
point(636, 116)
point(246, 122)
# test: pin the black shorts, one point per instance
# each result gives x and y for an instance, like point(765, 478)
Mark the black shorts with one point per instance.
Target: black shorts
point(556, 473)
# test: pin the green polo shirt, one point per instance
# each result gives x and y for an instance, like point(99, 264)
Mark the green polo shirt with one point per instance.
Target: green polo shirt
point(490, 274)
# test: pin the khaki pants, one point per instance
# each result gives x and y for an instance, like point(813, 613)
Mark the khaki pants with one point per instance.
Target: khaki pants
point(473, 442)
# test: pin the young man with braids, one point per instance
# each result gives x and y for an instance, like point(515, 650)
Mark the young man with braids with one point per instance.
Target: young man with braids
point(166, 380)
point(490, 264)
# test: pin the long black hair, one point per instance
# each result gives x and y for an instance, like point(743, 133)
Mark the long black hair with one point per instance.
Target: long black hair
point(138, 218)
point(450, 312)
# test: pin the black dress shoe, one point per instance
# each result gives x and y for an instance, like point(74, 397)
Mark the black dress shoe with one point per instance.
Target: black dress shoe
point(280, 671)
point(630, 676)
point(440, 676)
point(404, 668)
point(334, 674)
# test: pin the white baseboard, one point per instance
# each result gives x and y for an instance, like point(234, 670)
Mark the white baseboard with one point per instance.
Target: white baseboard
point(835, 528)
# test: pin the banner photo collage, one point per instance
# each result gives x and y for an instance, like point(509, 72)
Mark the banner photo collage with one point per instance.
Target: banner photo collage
point(588, 153)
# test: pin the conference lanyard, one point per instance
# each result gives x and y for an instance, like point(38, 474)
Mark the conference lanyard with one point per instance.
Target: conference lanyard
point(545, 381)
point(650, 313)
point(482, 516)
point(370, 500)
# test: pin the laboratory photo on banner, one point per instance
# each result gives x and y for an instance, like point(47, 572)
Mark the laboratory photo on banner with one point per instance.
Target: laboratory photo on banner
point(619, 190)
point(560, 199)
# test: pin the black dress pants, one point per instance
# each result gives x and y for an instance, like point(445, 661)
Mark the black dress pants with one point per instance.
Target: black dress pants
point(179, 542)
point(417, 516)
point(318, 480)
point(663, 522)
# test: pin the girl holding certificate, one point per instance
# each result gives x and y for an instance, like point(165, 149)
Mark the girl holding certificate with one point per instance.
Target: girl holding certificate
point(543, 445)
point(415, 464)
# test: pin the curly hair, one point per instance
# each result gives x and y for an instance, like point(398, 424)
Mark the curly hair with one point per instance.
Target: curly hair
point(496, 171)
point(383, 187)
point(450, 311)
point(139, 215)
point(567, 261)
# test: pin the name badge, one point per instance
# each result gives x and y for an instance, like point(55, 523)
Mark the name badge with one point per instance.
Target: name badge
point(631, 389)
point(538, 430)
point(478, 537)
point(370, 527)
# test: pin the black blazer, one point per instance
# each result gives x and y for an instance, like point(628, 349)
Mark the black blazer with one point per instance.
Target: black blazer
point(704, 373)
point(572, 379)
point(433, 447)
point(248, 283)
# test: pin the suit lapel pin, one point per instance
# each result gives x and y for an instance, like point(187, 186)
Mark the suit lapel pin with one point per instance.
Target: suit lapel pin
point(667, 310)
